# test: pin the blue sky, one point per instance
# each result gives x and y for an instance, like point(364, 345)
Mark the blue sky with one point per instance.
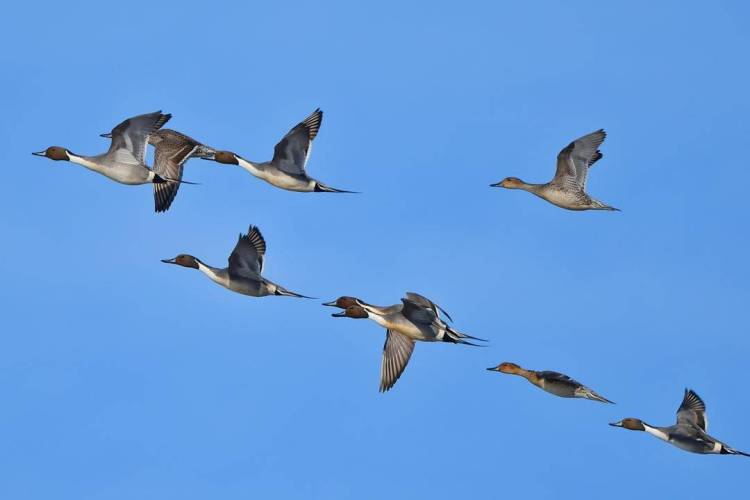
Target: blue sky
point(125, 378)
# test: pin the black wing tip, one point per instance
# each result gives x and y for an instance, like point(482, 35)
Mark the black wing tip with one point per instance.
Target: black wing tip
point(253, 229)
point(160, 208)
point(163, 119)
point(692, 400)
point(313, 122)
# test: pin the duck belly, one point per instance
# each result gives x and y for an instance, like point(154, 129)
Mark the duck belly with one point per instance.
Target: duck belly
point(407, 328)
point(558, 389)
point(289, 182)
point(692, 445)
point(563, 199)
point(248, 287)
point(130, 175)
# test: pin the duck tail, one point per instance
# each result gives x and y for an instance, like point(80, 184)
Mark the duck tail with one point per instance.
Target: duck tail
point(585, 392)
point(598, 205)
point(280, 290)
point(322, 188)
point(158, 179)
point(726, 450)
point(456, 337)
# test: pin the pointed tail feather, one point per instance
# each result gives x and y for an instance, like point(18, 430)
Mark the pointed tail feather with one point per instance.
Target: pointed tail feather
point(598, 205)
point(587, 393)
point(158, 179)
point(322, 188)
point(726, 450)
point(288, 293)
point(456, 337)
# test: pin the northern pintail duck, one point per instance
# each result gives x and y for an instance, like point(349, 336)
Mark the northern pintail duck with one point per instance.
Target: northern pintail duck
point(416, 318)
point(568, 188)
point(689, 433)
point(171, 150)
point(287, 168)
point(552, 382)
point(245, 267)
point(124, 162)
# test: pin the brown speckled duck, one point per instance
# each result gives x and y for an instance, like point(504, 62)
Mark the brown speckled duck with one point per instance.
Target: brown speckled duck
point(568, 188)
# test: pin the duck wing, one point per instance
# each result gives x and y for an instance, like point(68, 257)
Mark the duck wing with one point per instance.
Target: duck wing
point(575, 159)
point(417, 312)
point(170, 153)
point(692, 410)
point(425, 302)
point(396, 353)
point(291, 153)
point(247, 257)
point(130, 138)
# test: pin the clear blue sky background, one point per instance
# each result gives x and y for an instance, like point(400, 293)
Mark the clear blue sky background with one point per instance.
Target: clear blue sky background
point(125, 378)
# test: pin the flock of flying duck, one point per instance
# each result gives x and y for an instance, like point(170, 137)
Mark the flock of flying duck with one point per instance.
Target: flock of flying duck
point(416, 318)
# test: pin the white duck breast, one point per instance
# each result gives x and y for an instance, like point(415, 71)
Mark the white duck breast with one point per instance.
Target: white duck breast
point(287, 170)
point(243, 274)
point(124, 161)
point(416, 318)
point(690, 431)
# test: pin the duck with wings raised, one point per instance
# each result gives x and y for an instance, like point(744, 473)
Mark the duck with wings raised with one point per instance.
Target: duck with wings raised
point(124, 161)
point(568, 188)
point(243, 275)
point(288, 168)
point(690, 433)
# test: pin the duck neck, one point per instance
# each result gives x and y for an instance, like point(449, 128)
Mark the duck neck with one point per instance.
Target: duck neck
point(85, 161)
point(529, 375)
point(255, 169)
point(531, 188)
point(655, 431)
point(214, 274)
point(377, 318)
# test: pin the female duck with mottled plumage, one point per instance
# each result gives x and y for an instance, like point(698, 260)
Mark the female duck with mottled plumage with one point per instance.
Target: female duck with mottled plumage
point(416, 318)
point(689, 433)
point(552, 382)
point(568, 188)
point(171, 150)
point(245, 267)
point(124, 162)
point(287, 168)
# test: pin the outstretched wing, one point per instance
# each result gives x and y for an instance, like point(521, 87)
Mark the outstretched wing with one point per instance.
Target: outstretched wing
point(291, 153)
point(692, 410)
point(247, 257)
point(575, 159)
point(396, 353)
point(132, 135)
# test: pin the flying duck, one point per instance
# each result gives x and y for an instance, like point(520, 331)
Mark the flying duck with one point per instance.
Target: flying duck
point(568, 188)
point(243, 275)
point(416, 318)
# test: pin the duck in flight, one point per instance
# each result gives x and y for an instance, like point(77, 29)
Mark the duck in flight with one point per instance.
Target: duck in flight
point(287, 169)
point(552, 382)
point(568, 188)
point(124, 162)
point(171, 150)
point(416, 318)
point(243, 275)
point(690, 431)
